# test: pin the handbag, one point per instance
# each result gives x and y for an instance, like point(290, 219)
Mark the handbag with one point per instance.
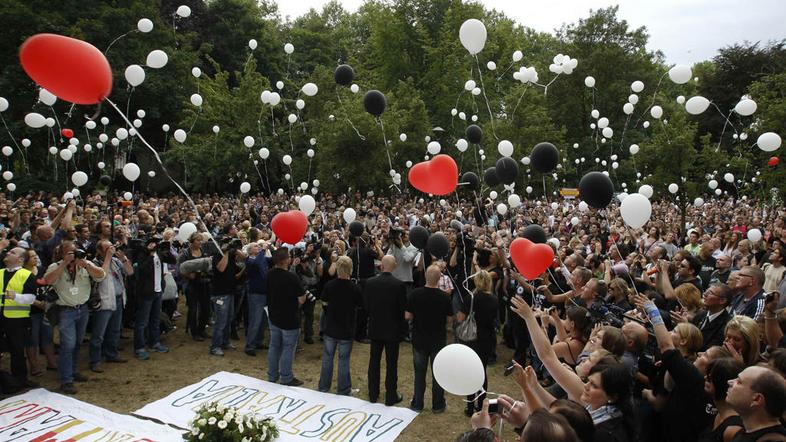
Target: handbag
point(170, 288)
point(467, 331)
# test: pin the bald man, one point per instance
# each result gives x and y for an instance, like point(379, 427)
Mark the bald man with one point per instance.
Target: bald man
point(428, 308)
point(385, 298)
point(636, 336)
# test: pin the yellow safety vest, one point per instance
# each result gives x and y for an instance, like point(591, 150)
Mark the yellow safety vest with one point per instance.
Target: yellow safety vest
point(17, 283)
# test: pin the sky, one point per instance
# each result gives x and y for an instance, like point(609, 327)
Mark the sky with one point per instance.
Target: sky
point(686, 31)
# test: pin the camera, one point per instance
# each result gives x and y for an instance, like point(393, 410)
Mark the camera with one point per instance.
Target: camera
point(310, 297)
point(493, 406)
point(609, 314)
point(80, 254)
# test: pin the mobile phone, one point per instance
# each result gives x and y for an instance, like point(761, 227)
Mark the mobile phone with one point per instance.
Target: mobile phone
point(509, 369)
point(769, 298)
point(493, 406)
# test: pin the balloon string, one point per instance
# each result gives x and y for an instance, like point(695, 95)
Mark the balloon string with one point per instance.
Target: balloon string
point(505, 71)
point(273, 121)
point(517, 105)
point(624, 130)
point(387, 150)
point(291, 145)
point(166, 172)
point(483, 89)
point(264, 163)
point(199, 112)
point(654, 94)
point(27, 168)
point(106, 51)
point(727, 122)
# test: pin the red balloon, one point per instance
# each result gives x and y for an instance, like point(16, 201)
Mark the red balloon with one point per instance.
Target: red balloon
point(68, 133)
point(773, 161)
point(531, 259)
point(437, 176)
point(290, 226)
point(71, 69)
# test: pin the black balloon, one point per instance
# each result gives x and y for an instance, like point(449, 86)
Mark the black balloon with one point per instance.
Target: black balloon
point(507, 170)
point(535, 233)
point(374, 102)
point(474, 133)
point(544, 157)
point(105, 180)
point(356, 228)
point(437, 245)
point(344, 75)
point(490, 177)
point(418, 236)
point(596, 189)
point(472, 180)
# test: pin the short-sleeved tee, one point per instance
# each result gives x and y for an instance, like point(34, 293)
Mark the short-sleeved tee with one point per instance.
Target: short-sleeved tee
point(430, 309)
point(283, 289)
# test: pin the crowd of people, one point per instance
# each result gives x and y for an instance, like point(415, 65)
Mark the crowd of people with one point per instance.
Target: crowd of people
point(671, 332)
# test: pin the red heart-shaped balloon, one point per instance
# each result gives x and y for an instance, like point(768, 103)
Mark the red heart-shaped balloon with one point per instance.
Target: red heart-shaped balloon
point(437, 176)
point(773, 161)
point(68, 133)
point(290, 226)
point(531, 259)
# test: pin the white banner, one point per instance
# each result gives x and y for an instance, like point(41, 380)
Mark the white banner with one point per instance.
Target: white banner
point(41, 416)
point(299, 413)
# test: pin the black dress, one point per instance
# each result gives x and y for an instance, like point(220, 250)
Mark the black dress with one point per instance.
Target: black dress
point(485, 312)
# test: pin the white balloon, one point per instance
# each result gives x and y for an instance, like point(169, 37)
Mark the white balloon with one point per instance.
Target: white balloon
point(615, 165)
point(673, 188)
point(349, 215)
point(196, 100)
point(265, 97)
point(354, 88)
point(74, 193)
point(275, 98)
point(252, 44)
point(245, 187)
point(554, 206)
point(11, 187)
point(46, 97)
point(292, 118)
point(50, 122)
point(754, 235)
point(696, 105)
point(53, 150)
point(680, 74)
point(469, 85)
point(8, 175)
point(307, 203)
point(104, 121)
point(409, 164)
point(505, 148)
point(462, 115)
point(300, 104)
point(144, 25)
point(287, 160)
point(713, 184)
point(141, 113)
point(502, 209)
point(310, 153)
point(517, 56)
point(315, 183)
point(180, 136)
point(681, 99)
point(196, 72)
point(526, 161)
point(216, 129)
point(183, 11)
point(433, 148)
point(589, 81)
point(135, 75)
point(289, 48)
point(656, 112)
point(574, 221)
point(514, 200)
point(637, 86)
point(79, 178)
point(645, 124)
point(7, 151)
point(310, 89)
point(402, 137)
point(151, 173)
point(608, 132)
point(35, 120)
point(121, 133)
point(3, 104)
point(729, 178)
point(603, 123)
point(248, 141)
point(185, 231)
point(493, 194)
point(279, 85)
point(528, 189)
point(636, 210)
point(72, 148)
point(583, 206)
point(66, 154)
point(621, 196)
point(164, 127)
point(264, 153)
point(646, 190)
point(491, 66)
point(157, 59)
point(462, 145)
point(769, 141)
point(131, 171)
point(472, 35)
point(745, 107)
point(698, 202)
point(627, 108)
point(718, 192)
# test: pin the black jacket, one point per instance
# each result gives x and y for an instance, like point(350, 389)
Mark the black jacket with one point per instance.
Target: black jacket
point(144, 273)
point(713, 332)
point(385, 298)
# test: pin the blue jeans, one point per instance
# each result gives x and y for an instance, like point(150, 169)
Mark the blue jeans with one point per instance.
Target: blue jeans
point(223, 307)
point(422, 359)
point(281, 354)
point(105, 336)
point(40, 332)
point(257, 319)
point(344, 380)
point(73, 325)
point(147, 323)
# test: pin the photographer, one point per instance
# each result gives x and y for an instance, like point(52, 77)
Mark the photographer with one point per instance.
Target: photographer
point(108, 319)
point(405, 254)
point(197, 289)
point(308, 268)
point(222, 296)
point(71, 277)
point(149, 290)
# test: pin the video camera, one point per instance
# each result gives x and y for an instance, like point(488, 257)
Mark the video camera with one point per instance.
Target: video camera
point(607, 313)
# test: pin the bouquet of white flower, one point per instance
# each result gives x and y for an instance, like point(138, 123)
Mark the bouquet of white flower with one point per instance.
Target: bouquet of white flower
point(219, 423)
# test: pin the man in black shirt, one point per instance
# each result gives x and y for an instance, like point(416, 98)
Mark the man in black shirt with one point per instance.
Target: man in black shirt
point(222, 296)
point(428, 307)
point(385, 298)
point(285, 296)
point(758, 395)
point(363, 254)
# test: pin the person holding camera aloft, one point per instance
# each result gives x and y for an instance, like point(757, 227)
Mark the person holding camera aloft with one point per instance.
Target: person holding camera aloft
point(71, 277)
point(225, 270)
point(149, 289)
point(308, 267)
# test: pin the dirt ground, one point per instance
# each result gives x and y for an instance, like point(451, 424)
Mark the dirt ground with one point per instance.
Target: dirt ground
point(124, 388)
